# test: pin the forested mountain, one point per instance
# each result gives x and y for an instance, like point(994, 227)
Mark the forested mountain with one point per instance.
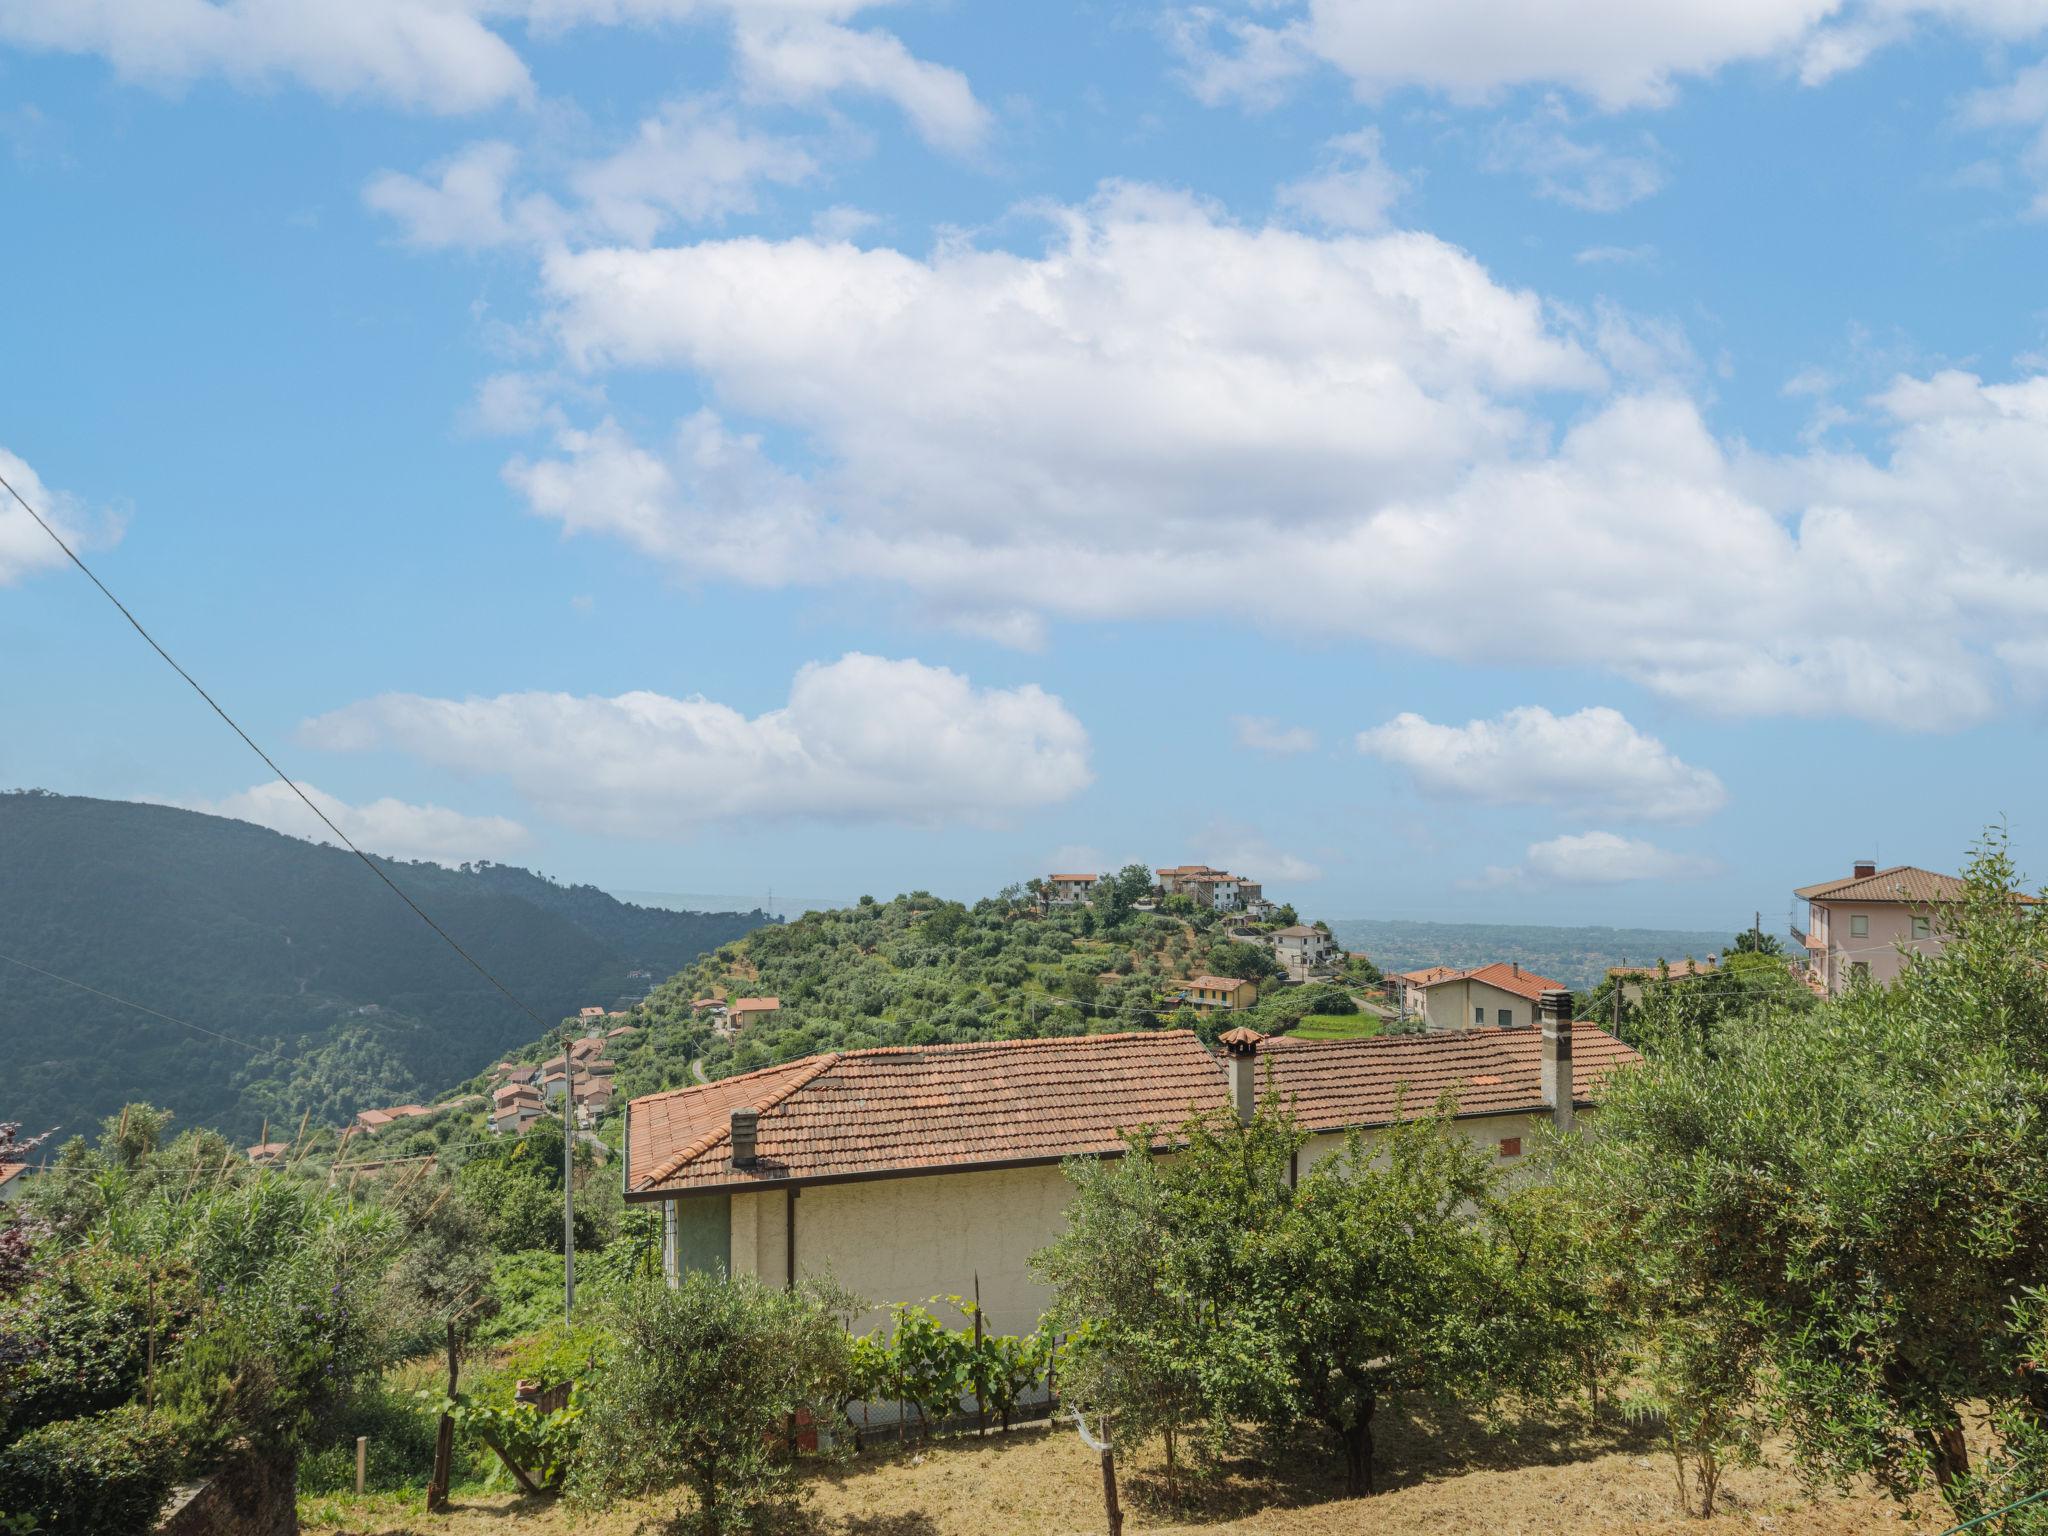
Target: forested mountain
point(290, 947)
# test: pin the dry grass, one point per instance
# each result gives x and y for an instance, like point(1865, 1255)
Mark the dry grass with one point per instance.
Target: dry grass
point(1438, 1477)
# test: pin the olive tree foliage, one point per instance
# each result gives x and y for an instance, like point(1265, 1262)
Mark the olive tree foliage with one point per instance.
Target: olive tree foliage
point(1205, 1289)
point(1149, 1282)
point(1852, 1203)
point(706, 1379)
point(1404, 1266)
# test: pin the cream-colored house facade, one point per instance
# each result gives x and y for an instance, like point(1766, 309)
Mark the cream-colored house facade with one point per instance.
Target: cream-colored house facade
point(910, 1173)
point(1497, 996)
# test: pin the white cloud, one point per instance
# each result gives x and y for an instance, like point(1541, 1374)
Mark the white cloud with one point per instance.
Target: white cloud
point(1593, 177)
point(1164, 411)
point(1078, 859)
point(25, 548)
point(1615, 255)
point(1266, 735)
point(1617, 53)
point(1603, 858)
point(808, 60)
point(394, 828)
point(1244, 852)
point(689, 163)
point(1592, 763)
point(860, 739)
point(1353, 188)
point(434, 55)
point(2020, 103)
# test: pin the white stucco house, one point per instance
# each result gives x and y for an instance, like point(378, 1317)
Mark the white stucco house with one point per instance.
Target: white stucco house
point(911, 1172)
point(1502, 995)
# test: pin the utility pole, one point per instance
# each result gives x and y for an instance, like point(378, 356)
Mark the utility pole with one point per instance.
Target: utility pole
point(568, 1179)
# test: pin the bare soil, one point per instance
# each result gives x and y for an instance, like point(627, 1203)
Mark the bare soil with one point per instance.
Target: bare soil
point(1437, 1477)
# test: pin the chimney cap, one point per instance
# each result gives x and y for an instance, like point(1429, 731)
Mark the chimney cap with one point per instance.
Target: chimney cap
point(1556, 1003)
point(1241, 1041)
point(746, 1125)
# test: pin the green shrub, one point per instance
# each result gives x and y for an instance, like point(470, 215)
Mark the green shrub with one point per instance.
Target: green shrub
point(400, 1453)
point(103, 1475)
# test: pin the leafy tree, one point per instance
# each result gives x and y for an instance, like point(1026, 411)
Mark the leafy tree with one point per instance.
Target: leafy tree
point(1866, 1183)
point(1754, 941)
point(440, 1284)
point(706, 1376)
point(1393, 1271)
point(1247, 962)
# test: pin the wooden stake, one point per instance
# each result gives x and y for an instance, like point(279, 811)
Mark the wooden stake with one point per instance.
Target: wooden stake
point(362, 1462)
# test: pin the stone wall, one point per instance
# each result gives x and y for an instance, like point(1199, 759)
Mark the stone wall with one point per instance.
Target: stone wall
point(249, 1496)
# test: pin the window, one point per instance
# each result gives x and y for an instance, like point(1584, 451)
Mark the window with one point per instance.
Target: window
point(1859, 926)
point(1511, 1146)
point(1922, 929)
point(1507, 1017)
point(1478, 1015)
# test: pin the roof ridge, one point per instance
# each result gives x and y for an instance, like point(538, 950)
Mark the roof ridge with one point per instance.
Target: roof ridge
point(817, 1067)
point(1031, 1040)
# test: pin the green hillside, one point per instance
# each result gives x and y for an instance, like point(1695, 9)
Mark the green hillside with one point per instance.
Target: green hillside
point(918, 970)
point(287, 945)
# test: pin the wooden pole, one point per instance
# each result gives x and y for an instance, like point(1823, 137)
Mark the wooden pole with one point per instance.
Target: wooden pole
point(980, 1407)
point(1109, 1502)
point(362, 1462)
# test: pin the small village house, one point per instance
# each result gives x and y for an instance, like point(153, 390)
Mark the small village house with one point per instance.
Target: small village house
point(592, 1012)
point(369, 1122)
point(1413, 994)
point(268, 1154)
point(14, 1179)
point(1304, 951)
point(1862, 928)
point(742, 1011)
point(514, 1108)
point(1217, 992)
point(1069, 890)
point(1501, 996)
point(909, 1172)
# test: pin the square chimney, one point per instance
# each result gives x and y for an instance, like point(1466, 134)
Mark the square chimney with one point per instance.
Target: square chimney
point(746, 1128)
point(1556, 1009)
point(1865, 868)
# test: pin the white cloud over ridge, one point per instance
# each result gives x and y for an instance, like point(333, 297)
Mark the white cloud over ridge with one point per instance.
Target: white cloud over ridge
point(861, 739)
point(25, 548)
point(1165, 411)
point(1262, 734)
point(1598, 858)
point(393, 828)
point(1616, 53)
point(1591, 763)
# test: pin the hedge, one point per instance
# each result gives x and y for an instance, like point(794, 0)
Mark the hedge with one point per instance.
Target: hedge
point(107, 1474)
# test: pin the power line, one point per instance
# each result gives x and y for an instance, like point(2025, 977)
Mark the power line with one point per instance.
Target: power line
point(284, 778)
point(260, 1050)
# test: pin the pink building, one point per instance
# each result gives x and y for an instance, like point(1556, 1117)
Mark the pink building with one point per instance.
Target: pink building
point(1863, 927)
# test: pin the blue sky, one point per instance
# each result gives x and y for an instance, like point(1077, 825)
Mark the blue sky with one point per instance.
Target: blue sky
point(1584, 474)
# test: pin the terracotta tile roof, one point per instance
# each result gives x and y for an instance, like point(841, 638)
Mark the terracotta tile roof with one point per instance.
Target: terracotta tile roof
point(1336, 1084)
point(267, 1149)
point(12, 1171)
point(754, 1005)
point(1429, 976)
point(1507, 978)
point(906, 1109)
point(1682, 968)
point(515, 1091)
point(1224, 982)
point(1300, 931)
point(1090, 878)
point(1902, 882)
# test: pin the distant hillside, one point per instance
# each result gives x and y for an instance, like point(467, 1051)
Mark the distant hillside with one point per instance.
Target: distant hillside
point(1578, 957)
point(289, 946)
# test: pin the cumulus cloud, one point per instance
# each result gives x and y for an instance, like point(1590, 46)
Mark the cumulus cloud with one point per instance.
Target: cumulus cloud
point(1598, 858)
point(1164, 408)
point(432, 55)
point(1592, 763)
point(396, 829)
point(1617, 53)
point(1262, 734)
point(689, 163)
point(25, 548)
point(1243, 851)
point(805, 61)
point(1352, 189)
point(860, 739)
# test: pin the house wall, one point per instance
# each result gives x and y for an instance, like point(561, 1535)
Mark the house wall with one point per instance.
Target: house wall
point(896, 1240)
point(1450, 1005)
point(1483, 1131)
point(1891, 923)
